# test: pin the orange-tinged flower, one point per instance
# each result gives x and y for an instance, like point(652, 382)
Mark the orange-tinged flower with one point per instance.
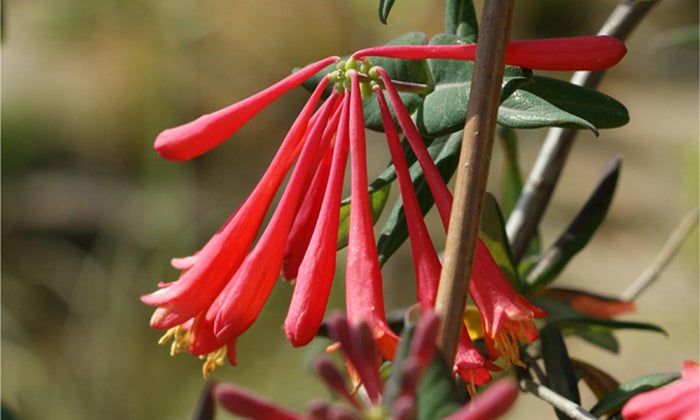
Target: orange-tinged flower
point(506, 317)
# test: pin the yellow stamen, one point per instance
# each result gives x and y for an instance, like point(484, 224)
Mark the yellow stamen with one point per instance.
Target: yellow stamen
point(213, 359)
point(507, 345)
point(181, 340)
point(471, 388)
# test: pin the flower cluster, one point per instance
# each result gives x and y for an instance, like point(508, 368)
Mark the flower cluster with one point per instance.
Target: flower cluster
point(224, 285)
point(370, 397)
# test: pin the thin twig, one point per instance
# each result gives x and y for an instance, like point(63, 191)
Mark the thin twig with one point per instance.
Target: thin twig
point(547, 168)
point(472, 172)
point(663, 257)
point(562, 404)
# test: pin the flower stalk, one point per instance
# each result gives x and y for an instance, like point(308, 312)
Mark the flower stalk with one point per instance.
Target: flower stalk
point(472, 172)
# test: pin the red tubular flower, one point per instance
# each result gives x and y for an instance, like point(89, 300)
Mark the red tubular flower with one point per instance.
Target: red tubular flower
point(209, 269)
point(250, 287)
point(208, 131)
point(597, 52)
point(505, 315)
point(679, 400)
point(469, 363)
point(426, 263)
point(316, 271)
point(364, 295)
point(305, 220)
point(441, 195)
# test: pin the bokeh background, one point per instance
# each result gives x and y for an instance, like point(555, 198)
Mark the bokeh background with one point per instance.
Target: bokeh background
point(91, 216)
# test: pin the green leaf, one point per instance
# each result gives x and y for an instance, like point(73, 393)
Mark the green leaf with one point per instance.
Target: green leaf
point(586, 323)
point(512, 180)
point(561, 376)
point(614, 401)
point(570, 320)
point(551, 102)
point(460, 19)
point(377, 202)
point(578, 233)
point(445, 154)
point(493, 234)
point(444, 109)
point(559, 310)
point(603, 339)
point(384, 9)
point(437, 396)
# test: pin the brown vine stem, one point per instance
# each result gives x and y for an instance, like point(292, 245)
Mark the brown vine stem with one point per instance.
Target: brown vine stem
point(472, 172)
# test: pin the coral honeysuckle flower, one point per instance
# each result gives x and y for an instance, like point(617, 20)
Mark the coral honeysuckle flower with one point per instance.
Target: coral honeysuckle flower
point(208, 131)
point(363, 276)
point(316, 270)
point(469, 363)
point(223, 286)
point(506, 317)
point(594, 52)
point(678, 400)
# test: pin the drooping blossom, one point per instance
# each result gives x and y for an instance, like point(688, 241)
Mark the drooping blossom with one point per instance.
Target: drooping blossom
point(506, 317)
point(678, 400)
point(469, 363)
point(223, 286)
point(371, 397)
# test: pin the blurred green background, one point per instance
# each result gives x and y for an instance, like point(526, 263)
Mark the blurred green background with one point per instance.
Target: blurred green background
point(91, 216)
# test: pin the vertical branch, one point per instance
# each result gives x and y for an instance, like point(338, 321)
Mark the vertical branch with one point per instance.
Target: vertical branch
point(533, 201)
point(472, 172)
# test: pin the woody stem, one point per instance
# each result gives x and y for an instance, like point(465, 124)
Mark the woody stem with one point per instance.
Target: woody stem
point(472, 172)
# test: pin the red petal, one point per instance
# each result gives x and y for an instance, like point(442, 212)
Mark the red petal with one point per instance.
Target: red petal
point(558, 54)
point(441, 194)
point(364, 295)
point(208, 131)
point(306, 218)
point(251, 285)
point(313, 283)
point(221, 256)
point(425, 259)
